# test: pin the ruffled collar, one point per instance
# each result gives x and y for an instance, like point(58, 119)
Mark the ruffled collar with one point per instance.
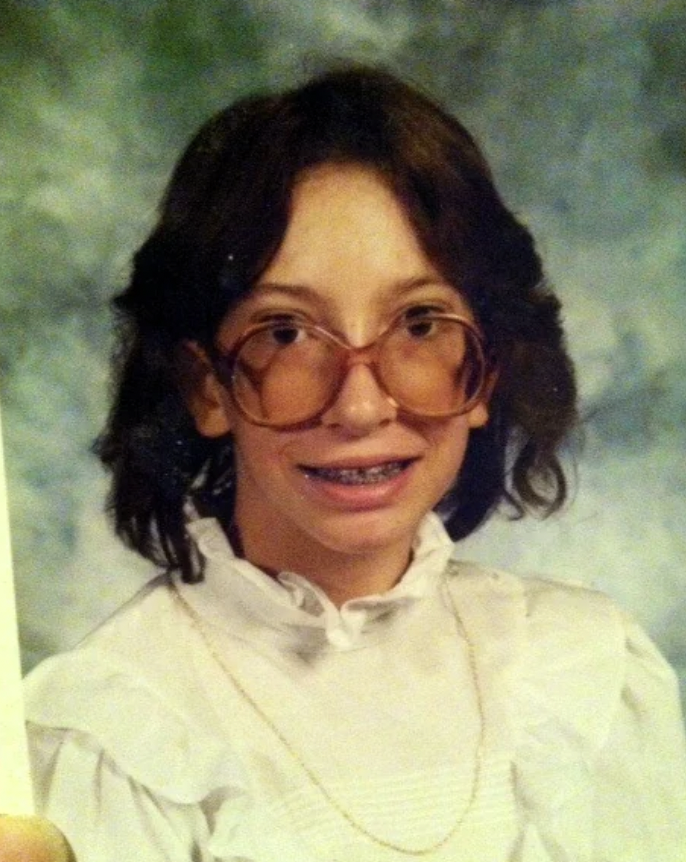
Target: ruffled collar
point(243, 600)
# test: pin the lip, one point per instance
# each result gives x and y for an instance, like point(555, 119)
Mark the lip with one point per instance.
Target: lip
point(357, 498)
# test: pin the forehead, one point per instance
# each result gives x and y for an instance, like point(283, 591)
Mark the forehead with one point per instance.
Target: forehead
point(349, 244)
point(344, 213)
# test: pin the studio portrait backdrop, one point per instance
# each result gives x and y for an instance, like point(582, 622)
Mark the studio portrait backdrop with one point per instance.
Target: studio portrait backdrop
point(581, 109)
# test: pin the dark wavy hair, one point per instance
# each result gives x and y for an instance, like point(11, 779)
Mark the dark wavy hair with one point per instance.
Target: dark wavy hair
point(221, 221)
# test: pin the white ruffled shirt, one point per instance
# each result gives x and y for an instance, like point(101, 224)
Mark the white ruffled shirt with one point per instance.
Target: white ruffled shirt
point(468, 713)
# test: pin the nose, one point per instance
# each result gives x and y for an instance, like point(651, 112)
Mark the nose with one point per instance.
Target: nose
point(361, 404)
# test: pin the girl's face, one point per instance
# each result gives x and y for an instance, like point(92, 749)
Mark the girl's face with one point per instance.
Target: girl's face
point(348, 493)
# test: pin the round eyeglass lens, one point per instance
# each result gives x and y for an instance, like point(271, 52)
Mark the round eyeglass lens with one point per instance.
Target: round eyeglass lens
point(284, 374)
point(433, 366)
point(288, 373)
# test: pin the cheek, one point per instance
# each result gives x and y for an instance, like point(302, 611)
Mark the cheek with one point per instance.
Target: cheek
point(259, 451)
point(448, 442)
point(458, 446)
point(251, 447)
point(453, 454)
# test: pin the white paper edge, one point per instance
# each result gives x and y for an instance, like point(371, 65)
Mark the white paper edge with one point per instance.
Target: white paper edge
point(16, 796)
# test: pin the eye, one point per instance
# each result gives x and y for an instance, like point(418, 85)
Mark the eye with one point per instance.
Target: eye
point(285, 331)
point(419, 320)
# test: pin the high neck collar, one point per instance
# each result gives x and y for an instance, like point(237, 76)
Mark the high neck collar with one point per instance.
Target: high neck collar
point(244, 601)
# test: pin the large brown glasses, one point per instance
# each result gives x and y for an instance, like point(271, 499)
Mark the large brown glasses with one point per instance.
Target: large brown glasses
point(287, 372)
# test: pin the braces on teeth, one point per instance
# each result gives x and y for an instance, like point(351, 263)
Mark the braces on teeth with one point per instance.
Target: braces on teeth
point(358, 475)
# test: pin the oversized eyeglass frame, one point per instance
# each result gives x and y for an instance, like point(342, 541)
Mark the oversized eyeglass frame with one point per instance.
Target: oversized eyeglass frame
point(225, 363)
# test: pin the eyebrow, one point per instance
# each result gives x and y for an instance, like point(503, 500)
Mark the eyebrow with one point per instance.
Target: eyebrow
point(396, 290)
point(297, 291)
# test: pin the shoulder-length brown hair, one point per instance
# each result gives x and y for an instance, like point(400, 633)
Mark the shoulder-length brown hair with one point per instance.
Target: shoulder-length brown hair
point(221, 221)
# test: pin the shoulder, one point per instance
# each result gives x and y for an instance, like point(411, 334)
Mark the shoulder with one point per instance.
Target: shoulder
point(550, 618)
point(139, 654)
point(540, 608)
point(590, 708)
point(573, 656)
point(569, 615)
point(128, 699)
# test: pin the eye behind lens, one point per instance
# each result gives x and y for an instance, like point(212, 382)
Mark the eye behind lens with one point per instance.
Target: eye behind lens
point(432, 365)
point(286, 374)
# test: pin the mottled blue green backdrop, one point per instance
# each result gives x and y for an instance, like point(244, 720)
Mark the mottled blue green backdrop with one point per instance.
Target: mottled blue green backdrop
point(582, 109)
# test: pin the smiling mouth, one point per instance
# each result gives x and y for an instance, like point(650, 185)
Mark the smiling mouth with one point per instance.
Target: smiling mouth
point(358, 475)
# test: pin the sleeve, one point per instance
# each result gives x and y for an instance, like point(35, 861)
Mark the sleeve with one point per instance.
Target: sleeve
point(105, 814)
point(109, 816)
point(128, 773)
point(640, 771)
point(125, 772)
point(600, 768)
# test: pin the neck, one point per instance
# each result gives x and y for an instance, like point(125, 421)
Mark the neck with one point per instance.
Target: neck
point(341, 575)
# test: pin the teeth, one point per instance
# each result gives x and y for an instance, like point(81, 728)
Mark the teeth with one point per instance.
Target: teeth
point(358, 475)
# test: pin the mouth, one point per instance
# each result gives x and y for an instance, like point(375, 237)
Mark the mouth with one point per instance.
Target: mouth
point(371, 475)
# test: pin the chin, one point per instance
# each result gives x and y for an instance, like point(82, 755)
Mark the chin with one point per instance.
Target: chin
point(361, 533)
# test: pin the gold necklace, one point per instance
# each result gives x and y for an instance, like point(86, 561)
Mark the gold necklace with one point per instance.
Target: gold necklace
point(198, 625)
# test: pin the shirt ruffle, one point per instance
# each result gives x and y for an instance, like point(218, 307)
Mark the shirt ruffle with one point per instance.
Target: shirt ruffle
point(167, 752)
point(239, 597)
point(559, 666)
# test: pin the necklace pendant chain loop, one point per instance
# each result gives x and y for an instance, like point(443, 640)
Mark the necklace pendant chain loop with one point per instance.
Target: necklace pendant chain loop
point(208, 641)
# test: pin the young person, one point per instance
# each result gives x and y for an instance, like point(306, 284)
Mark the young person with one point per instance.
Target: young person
point(338, 356)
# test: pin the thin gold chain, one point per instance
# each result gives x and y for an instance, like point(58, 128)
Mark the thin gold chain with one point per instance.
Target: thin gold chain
point(199, 626)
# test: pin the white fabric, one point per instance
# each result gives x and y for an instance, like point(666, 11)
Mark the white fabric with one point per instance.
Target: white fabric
point(143, 748)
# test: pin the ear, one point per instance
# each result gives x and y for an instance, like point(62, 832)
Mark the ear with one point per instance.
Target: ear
point(479, 414)
point(205, 397)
